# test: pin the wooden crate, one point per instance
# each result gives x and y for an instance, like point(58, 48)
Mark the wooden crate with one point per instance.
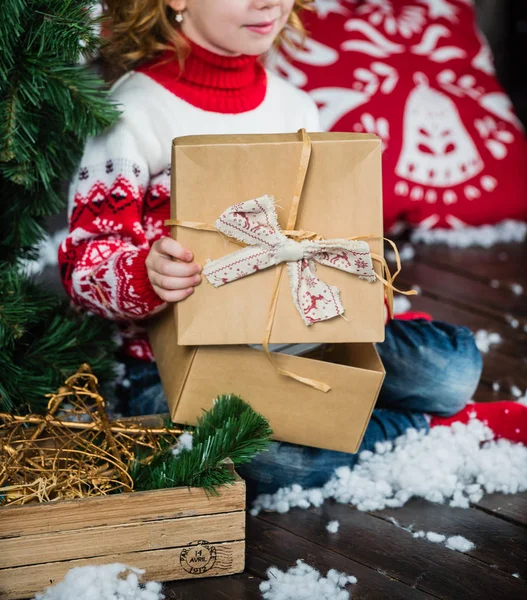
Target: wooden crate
point(173, 534)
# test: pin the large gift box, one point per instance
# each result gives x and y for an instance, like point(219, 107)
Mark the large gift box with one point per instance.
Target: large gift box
point(236, 195)
point(241, 188)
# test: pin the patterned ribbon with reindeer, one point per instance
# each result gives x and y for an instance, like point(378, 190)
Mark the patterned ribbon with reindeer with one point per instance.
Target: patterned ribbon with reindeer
point(254, 225)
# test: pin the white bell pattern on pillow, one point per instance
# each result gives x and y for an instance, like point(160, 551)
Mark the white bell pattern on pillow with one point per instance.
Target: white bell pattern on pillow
point(437, 150)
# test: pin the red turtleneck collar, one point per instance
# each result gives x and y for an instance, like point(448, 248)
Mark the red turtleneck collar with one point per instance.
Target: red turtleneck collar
point(224, 84)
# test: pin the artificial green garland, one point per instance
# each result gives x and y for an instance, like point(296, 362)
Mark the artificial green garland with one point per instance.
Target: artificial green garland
point(230, 430)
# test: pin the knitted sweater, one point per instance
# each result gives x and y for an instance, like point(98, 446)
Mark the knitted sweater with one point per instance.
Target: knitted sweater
point(120, 195)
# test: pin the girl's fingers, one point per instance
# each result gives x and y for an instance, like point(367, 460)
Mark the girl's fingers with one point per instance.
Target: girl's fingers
point(174, 283)
point(173, 249)
point(173, 295)
point(170, 268)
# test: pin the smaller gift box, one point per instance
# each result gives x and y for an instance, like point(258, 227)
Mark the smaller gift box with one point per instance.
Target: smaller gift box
point(232, 197)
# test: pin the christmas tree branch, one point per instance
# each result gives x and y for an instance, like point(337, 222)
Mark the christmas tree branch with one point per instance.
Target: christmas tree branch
point(231, 429)
point(49, 104)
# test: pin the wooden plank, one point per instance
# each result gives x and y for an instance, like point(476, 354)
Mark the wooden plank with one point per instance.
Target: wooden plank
point(512, 508)
point(429, 567)
point(467, 293)
point(234, 587)
point(118, 509)
point(485, 393)
point(499, 544)
point(160, 565)
point(103, 541)
point(504, 262)
point(270, 545)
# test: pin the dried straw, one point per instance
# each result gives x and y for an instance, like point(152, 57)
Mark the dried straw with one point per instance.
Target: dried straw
point(74, 450)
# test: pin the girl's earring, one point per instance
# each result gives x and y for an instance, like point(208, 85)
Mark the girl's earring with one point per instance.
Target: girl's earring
point(179, 17)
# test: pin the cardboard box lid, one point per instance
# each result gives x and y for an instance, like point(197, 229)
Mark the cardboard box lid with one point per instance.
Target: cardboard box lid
point(342, 198)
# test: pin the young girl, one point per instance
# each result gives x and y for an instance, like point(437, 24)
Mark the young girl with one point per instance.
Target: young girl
point(196, 70)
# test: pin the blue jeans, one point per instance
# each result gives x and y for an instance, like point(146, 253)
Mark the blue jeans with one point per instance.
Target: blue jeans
point(432, 368)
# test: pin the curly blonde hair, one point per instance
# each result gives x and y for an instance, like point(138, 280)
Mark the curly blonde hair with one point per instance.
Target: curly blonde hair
point(138, 30)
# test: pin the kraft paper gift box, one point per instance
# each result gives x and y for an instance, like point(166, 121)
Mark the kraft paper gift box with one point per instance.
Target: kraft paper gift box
point(200, 344)
point(341, 198)
point(336, 420)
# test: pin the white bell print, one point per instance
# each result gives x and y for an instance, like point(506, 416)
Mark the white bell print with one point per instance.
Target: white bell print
point(437, 150)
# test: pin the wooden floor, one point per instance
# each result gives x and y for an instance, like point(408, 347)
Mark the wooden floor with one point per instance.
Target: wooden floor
point(387, 561)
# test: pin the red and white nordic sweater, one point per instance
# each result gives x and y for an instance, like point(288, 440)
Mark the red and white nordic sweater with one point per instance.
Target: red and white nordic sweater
point(120, 195)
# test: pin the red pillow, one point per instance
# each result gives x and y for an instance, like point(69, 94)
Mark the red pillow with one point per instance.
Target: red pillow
point(418, 74)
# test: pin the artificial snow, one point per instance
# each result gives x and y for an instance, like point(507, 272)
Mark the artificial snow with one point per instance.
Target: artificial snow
point(517, 575)
point(496, 386)
point(47, 253)
point(105, 582)
point(407, 252)
point(333, 526)
point(436, 538)
point(459, 543)
point(464, 237)
point(495, 284)
point(455, 542)
point(401, 304)
point(303, 582)
point(485, 339)
point(517, 289)
point(512, 321)
point(184, 442)
point(516, 392)
point(455, 465)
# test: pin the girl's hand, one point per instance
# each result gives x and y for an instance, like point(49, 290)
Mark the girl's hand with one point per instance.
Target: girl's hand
point(171, 271)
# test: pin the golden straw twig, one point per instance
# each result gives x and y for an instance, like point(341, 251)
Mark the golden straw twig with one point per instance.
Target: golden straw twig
point(74, 450)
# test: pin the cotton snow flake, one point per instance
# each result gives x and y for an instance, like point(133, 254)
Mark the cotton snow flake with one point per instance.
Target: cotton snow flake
point(459, 543)
point(47, 253)
point(406, 253)
point(436, 538)
point(455, 465)
point(184, 442)
point(401, 304)
point(455, 542)
point(105, 582)
point(303, 582)
point(512, 321)
point(464, 236)
point(485, 339)
point(516, 392)
point(333, 526)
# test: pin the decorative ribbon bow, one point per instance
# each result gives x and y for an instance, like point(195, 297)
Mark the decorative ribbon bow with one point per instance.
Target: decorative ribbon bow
point(255, 224)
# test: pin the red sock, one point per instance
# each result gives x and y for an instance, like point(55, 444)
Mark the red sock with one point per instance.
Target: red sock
point(507, 419)
point(412, 315)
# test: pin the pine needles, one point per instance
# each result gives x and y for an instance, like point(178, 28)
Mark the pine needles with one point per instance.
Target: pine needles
point(49, 104)
point(231, 429)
